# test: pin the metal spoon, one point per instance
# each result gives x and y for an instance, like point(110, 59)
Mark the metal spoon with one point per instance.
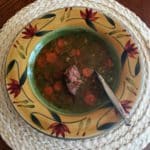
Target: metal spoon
point(113, 98)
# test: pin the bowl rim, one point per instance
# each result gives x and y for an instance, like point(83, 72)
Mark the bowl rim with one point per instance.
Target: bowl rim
point(52, 36)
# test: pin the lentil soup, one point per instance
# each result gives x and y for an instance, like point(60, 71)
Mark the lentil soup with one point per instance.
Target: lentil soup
point(85, 50)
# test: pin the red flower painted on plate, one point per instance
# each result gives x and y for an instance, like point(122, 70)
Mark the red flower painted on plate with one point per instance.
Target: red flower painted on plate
point(29, 31)
point(90, 98)
point(59, 129)
point(126, 105)
point(15, 45)
point(89, 14)
point(131, 49)
point(87, 72)
point(14, 87)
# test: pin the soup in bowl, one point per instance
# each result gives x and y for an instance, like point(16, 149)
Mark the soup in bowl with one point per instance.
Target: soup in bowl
point(60, 70)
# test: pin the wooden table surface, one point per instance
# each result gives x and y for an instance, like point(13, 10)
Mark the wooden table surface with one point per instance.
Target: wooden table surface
point(9, 7)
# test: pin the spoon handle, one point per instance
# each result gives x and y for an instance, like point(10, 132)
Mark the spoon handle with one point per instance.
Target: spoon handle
point(113, 98)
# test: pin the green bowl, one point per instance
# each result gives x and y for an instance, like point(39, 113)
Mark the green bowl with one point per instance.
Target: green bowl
point(54, 35)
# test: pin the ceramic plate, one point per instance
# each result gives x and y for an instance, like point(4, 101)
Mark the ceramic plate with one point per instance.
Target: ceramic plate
point(35, 36)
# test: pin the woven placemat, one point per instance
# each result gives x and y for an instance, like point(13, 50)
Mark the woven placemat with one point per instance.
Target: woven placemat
point(20, 136)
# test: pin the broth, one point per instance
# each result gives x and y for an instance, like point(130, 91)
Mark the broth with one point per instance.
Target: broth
point(86, 51)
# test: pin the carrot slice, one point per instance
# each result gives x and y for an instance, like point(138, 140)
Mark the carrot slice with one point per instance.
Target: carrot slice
point(51, 57)
point(41, 61)
point(87, 72)
point(58, 86)
point(60, 43)
point(48, 90)
point(89, 99)
point(75, 52)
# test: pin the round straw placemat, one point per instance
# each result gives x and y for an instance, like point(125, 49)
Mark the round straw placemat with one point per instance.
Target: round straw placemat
point(20, 136)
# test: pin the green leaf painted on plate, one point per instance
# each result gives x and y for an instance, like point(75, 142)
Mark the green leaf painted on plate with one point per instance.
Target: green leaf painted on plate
point(21, 47)
point(35, 120)
point(123, 35)
point(81, 123)
point(106, 126)
point(23, 77)
point(26, 106)
point(21, 55)
point(130, 81)
point(90, 24)
point(124, 57)
point(130, 89)
point(55, 116)
point(111, 21)
point(137, 67)
point(69, 12)
point(116, 31)
point(23, 101)
point(62, 18)
point(41, 33)
point(88, 122)
point(48, 16)
point(10, 66)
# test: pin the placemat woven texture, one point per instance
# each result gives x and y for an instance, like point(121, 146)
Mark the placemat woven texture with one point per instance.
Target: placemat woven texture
point(20, 136)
